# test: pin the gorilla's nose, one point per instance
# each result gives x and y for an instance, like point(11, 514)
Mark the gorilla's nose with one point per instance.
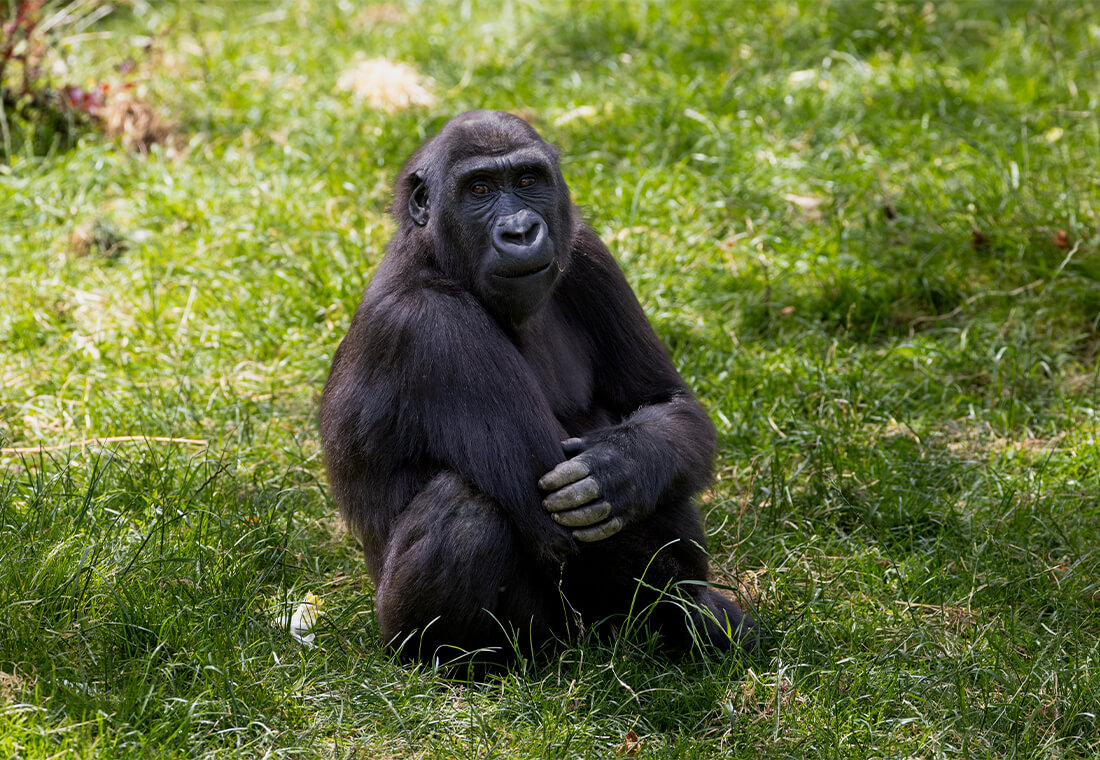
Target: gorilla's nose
point(519, 235)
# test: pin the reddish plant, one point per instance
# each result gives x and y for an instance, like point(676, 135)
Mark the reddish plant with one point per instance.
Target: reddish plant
point(27, 33)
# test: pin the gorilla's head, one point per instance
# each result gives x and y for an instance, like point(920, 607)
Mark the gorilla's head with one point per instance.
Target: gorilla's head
point(489, 196)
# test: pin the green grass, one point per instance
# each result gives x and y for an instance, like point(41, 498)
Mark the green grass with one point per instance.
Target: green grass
point(904, 378)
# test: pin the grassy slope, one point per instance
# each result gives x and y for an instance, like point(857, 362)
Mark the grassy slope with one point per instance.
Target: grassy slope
point(904, 379)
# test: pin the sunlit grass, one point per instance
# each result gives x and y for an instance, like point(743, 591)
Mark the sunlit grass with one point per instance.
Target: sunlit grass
point(867, 231)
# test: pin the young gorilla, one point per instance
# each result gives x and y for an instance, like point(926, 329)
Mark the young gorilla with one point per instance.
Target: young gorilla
point(503, 431)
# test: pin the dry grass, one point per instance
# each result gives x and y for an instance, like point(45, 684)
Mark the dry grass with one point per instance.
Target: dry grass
point(137, 124)
point(386, 85)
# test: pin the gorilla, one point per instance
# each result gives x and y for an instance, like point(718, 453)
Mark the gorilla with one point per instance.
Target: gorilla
point(504, 433)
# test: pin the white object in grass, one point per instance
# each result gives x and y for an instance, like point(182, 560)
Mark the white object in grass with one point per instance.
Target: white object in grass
point(304, 618)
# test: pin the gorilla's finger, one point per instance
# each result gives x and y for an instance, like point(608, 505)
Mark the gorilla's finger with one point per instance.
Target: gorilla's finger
point(572, 446)
point(572, 496)
point(599, 532)
point(569, 471)
point(583, 516)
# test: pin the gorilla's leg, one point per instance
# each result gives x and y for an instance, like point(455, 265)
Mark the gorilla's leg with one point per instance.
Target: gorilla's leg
point(456, 587)
point(655, 572)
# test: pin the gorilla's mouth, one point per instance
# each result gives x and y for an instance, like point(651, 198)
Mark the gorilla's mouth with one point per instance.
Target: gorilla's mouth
point(524, 273)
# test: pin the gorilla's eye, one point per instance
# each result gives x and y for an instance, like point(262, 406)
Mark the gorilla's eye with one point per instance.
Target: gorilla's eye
point(527, 180)
point(480, 188)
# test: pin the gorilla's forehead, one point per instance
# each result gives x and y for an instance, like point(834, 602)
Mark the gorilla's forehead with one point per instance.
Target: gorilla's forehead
point(502, 161)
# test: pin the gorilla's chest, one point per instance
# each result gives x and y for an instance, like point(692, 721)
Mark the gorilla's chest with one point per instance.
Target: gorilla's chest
point(562, 366)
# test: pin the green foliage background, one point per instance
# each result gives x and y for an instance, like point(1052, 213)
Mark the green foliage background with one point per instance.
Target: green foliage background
point(867, 231)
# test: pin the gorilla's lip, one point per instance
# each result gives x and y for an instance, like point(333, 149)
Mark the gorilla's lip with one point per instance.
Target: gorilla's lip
point(525, 273)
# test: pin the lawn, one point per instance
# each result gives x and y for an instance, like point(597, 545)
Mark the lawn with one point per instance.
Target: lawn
point(868, 233)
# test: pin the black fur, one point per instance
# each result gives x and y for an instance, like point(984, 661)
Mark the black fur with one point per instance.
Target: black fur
point(455, 388)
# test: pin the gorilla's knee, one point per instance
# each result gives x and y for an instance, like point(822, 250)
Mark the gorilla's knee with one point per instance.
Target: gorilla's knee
point(454, 579)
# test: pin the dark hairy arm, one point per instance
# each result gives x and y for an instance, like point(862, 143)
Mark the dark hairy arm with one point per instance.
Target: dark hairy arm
point(463, 400)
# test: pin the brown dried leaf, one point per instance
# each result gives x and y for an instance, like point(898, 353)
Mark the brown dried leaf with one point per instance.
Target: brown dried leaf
point(631, 744)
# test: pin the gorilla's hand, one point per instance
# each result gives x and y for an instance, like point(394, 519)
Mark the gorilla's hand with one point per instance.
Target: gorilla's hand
point(591, 492)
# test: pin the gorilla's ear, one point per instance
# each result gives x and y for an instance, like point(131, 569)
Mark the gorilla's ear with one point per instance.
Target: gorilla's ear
point(418, 200)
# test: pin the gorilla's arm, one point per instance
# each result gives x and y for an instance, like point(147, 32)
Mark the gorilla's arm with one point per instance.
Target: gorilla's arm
point(446, 390)
point(662, 448)
point(485, 417)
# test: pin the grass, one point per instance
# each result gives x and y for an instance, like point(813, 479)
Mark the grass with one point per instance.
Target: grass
point(867, 231)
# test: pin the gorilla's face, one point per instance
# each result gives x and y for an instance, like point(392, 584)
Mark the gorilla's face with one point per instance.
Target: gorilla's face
point(501, 211)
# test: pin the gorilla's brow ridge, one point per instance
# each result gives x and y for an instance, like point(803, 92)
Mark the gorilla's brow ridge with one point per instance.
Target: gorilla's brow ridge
point(521, 158)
